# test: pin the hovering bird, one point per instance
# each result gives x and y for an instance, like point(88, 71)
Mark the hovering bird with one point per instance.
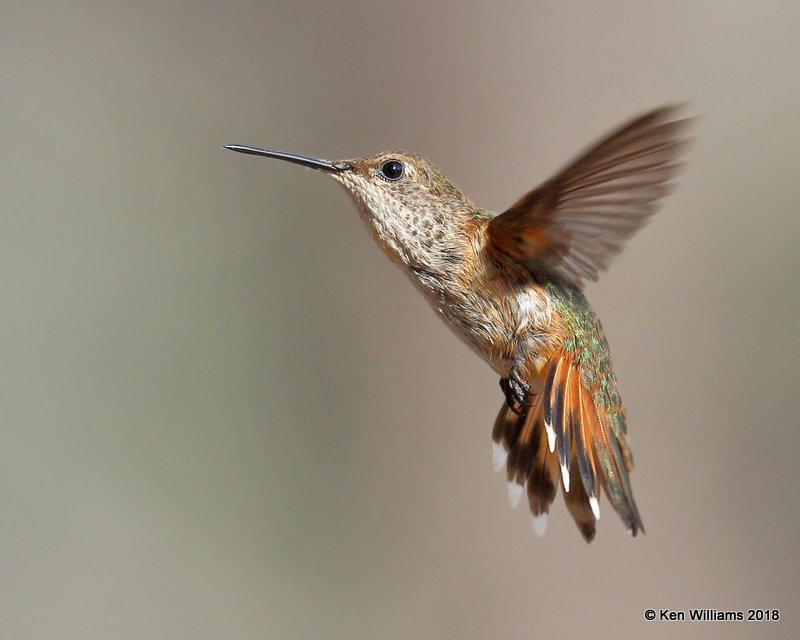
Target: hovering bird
point(510, 286)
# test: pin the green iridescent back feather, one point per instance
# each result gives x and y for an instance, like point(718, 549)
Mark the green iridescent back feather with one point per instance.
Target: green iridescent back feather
point(586, 342)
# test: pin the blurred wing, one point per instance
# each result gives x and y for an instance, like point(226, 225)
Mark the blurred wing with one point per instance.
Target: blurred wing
point(570, 227)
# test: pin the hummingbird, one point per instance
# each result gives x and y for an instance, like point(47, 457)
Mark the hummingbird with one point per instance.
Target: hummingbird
point(510, 285)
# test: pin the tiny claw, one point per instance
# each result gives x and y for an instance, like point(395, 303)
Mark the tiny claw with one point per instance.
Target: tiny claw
point(519, 388)
point(516, 392)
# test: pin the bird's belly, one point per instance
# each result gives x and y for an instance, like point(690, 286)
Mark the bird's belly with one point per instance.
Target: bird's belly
point(498, 328)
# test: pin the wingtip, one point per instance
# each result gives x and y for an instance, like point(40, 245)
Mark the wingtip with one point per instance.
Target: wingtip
point(673, 109)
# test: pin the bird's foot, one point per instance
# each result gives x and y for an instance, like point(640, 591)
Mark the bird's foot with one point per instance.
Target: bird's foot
point(516, 391)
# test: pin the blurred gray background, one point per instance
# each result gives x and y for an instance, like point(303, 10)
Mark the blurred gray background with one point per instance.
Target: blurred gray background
point(226, 415)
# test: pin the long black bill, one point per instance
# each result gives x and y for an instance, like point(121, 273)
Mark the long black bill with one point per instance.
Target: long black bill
point(306, 161)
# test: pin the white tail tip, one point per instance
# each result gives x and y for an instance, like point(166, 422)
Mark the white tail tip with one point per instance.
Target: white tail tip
point(499, 456)
point(565, 477)
point(539, 524)
point(551, 437)
point(514, 494)
point(594, 503)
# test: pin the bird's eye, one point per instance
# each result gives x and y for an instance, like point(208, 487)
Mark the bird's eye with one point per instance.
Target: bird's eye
point(392, 170)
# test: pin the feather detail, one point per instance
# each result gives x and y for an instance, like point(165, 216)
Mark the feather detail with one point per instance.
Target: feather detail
point(520, 456)
point(570, 227)
point(588, 448)
point(615, 475)
point(554, 390)
point(578, 505)
point(590, 437)
point(543, 476)
point(514, 432)
point(548, 410)
point(557, 390)
point(499, 456)
point(564, 432)
point(529, 462)
point(504, 425)
point(583, 443)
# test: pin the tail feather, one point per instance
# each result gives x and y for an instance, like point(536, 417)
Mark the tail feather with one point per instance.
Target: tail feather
point(579, 505)
point(505, 421)
point(583, 445)
point(520, 455)
point(598, 427)
point(528, 460)
point(571, 432)
point(616, 482)
point(564, 430)
point(543, 479)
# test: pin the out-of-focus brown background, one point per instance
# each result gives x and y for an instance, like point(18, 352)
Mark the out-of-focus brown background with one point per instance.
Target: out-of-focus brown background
point(226, 415)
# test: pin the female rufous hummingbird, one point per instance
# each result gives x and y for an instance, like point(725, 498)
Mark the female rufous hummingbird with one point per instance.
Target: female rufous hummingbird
point(509, 285)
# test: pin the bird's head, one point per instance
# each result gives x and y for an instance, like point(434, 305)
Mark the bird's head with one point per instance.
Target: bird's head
point(414, 213)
